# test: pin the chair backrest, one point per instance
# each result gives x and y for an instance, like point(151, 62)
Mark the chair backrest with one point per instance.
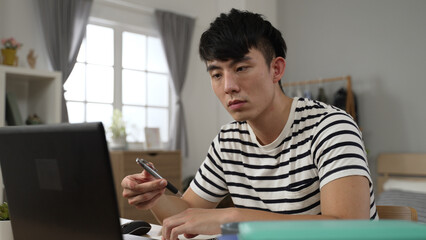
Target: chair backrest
point(397, 212)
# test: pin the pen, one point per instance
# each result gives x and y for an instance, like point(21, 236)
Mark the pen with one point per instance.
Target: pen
point(154, 173)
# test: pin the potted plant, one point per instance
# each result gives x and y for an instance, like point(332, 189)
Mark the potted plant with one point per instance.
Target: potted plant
point(118, 131)
point(5, 226)
point(10, 46)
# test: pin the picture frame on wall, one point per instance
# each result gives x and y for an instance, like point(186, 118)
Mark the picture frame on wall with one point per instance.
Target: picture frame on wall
point(152, 138)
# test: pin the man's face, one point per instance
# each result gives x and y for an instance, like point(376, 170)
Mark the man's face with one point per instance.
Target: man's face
point(244, 86)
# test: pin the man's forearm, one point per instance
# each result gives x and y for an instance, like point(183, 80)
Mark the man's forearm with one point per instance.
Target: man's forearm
point(168, 205)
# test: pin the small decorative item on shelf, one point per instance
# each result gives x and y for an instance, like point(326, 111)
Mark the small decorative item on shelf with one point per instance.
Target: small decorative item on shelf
point(5, 226)
point(31, 59)
point(118, 131)
point(33, 120)
point(10, 46)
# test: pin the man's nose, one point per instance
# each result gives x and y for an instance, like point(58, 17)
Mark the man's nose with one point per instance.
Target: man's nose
point(231, 83)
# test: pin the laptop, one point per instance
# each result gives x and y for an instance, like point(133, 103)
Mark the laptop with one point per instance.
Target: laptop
point(59, 182)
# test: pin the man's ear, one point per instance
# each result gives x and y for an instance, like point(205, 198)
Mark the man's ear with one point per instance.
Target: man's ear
point(278, 68)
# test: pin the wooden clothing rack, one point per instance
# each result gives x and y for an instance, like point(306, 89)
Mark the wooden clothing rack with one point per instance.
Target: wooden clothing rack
point(350, 103)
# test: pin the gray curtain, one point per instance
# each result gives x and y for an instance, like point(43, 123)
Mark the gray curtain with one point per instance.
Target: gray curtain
point(176, 34)
point(64, 24)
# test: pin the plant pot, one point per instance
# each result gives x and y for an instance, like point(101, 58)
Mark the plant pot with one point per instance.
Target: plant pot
point(9, 56)
point(6, 230)
point(118, 143)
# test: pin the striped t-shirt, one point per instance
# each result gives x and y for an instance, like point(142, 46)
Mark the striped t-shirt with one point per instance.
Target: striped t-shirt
point(319, 143)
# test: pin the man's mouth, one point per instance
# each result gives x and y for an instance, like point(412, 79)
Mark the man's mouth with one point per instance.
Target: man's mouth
point(236, 104)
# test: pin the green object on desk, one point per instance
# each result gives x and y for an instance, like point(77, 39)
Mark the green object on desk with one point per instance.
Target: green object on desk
point(332, 230)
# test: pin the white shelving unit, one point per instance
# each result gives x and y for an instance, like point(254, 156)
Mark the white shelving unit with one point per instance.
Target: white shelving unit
point(36, 91)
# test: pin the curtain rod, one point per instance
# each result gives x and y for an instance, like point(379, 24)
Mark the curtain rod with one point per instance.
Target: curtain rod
point(137, 7)
point(127, 5)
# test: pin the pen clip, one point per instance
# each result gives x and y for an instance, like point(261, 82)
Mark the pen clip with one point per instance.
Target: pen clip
point(149, 164)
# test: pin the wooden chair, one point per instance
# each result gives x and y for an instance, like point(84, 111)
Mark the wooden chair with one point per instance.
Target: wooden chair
point(397, 212)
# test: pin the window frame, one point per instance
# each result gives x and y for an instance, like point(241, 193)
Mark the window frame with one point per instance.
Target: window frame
point(118, 29)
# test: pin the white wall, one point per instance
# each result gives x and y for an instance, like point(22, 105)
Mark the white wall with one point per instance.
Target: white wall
point(382, 45)
point(19, 20)
point(203, 112)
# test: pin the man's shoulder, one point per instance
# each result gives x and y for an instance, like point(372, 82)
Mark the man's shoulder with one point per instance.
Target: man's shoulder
point(307, 108)
point(312, 115)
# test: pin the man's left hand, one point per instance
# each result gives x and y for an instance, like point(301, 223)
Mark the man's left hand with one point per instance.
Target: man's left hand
point(194, 221)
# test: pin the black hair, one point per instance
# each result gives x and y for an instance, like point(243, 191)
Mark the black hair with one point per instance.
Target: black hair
point(232, 35)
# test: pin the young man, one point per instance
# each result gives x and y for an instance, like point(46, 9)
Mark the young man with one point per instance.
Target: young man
point(282, 159)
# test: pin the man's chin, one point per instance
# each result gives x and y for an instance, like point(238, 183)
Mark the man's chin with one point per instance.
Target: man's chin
point(239, 117)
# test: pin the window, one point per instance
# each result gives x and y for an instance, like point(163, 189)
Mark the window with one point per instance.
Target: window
point(120, 69)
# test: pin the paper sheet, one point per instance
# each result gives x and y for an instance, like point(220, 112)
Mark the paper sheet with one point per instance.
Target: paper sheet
point(200, 237)
point(155, 232)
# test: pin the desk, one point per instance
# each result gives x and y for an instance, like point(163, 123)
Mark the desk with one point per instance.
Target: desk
point(124, 163)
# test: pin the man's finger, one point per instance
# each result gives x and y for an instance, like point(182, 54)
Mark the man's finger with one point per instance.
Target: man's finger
point(170, 226)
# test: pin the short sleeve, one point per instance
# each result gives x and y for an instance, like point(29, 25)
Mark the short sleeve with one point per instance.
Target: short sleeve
point(209, 182)
point(338, 149)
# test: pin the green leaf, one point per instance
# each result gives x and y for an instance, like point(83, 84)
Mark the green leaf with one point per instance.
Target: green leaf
point(4, 212)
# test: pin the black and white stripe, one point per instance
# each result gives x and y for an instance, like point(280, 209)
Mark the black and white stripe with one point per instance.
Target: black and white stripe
point(319, 144)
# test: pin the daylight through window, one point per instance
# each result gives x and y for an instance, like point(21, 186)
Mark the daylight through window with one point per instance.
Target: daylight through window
point(124, 70)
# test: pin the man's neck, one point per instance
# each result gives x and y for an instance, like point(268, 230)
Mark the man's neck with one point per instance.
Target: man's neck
point(270, 125)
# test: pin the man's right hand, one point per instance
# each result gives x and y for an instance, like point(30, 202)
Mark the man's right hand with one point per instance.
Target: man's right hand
point(143, 190)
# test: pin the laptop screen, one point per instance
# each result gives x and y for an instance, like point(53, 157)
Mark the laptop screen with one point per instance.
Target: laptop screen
point(59, 182)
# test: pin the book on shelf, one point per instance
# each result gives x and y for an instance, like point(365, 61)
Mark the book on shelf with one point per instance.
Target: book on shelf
point(13, 115)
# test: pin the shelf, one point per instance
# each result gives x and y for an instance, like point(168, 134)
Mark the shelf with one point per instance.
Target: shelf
point(36, 92)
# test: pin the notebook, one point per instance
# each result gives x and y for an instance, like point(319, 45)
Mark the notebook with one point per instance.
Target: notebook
point(59, 182)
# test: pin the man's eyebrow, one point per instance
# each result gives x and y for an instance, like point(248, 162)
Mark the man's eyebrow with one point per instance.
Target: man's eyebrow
point(232, 63)
point(212, 67)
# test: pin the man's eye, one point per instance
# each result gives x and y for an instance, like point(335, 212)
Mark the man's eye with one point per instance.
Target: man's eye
point(216, 76)
point(242, 68)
